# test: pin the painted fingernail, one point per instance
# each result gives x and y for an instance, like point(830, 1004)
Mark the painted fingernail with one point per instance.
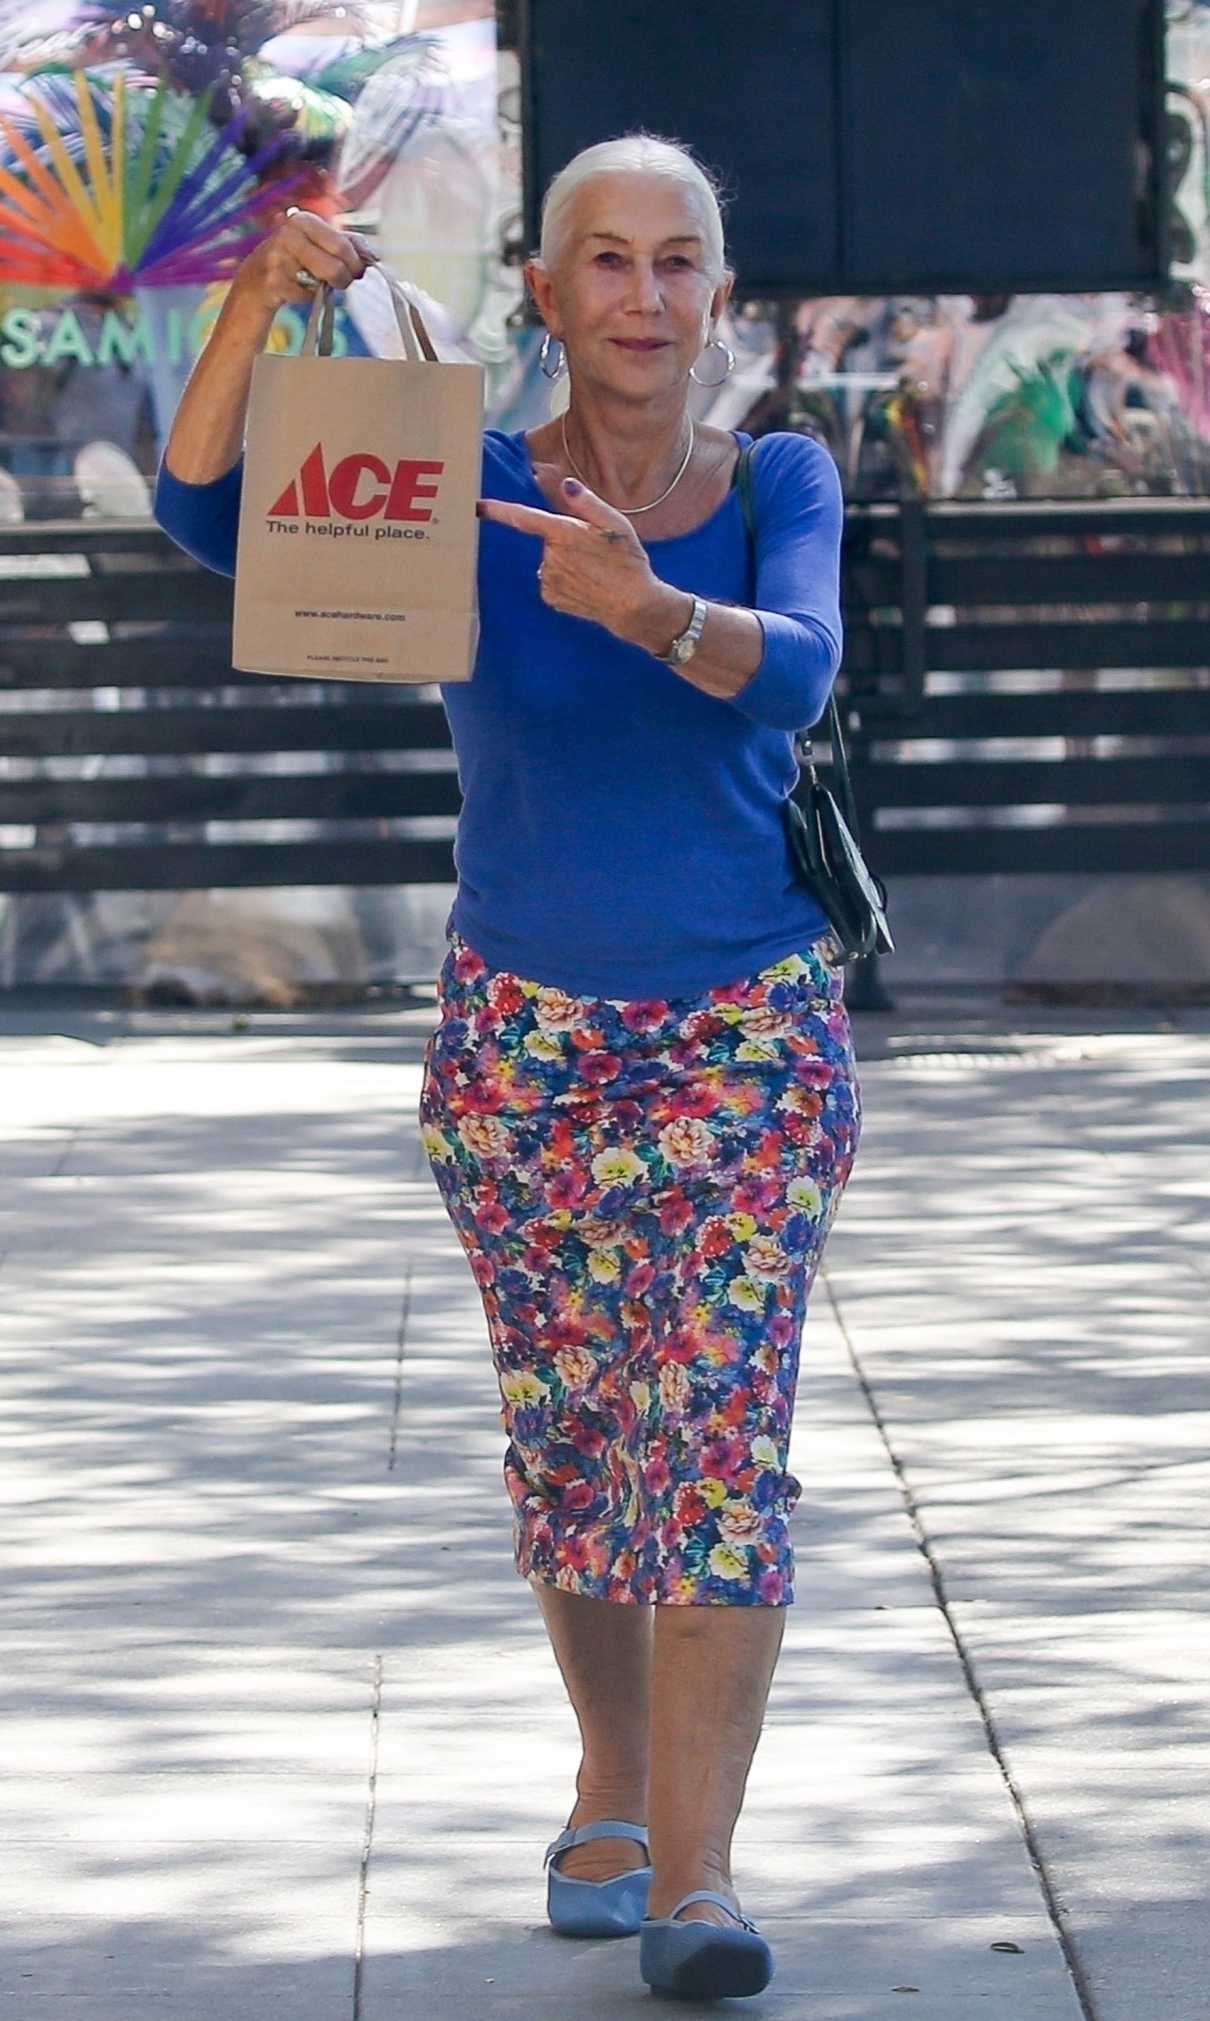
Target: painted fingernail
point(570, 484)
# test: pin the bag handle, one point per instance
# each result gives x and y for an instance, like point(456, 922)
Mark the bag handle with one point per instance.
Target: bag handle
point(418, 346)
point(802, 740)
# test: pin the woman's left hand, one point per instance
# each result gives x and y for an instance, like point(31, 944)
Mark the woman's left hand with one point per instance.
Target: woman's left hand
point(593, 565)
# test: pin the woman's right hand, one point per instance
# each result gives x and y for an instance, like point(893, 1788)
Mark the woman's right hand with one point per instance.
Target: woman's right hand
point(207, 433)
point(265, 278)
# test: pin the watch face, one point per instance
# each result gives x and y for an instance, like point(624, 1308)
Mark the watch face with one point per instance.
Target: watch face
point(684, 647)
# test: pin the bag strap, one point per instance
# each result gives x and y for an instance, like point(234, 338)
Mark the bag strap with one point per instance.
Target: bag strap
point(744, 483)
point(418, 346)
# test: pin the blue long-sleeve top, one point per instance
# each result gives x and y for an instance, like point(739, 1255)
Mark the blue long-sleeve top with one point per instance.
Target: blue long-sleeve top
point(621, 832)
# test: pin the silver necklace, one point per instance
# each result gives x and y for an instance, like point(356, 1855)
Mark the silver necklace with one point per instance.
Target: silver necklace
point(630, 510)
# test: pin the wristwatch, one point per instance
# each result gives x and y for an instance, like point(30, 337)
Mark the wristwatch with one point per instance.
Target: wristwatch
point(684, 645)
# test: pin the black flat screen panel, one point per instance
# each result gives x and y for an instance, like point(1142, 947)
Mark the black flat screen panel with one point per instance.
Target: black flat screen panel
point(997, 144)
point(750, 91)
point(877, 146)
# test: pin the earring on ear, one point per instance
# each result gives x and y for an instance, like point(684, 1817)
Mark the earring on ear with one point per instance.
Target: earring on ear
point(730, 367)
point(544, 354)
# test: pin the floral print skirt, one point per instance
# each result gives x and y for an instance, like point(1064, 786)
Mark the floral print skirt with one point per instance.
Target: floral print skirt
point(643, 1190)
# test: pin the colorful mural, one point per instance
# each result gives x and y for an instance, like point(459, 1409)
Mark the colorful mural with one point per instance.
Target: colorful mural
point(144, 150)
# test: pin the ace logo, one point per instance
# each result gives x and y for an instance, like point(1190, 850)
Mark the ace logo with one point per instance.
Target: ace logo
point(360, 486)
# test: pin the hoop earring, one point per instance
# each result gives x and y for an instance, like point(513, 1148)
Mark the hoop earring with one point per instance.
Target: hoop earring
point(544, 354)
point(730, 364)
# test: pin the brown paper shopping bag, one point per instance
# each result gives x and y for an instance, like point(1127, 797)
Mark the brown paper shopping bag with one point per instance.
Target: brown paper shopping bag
point(358, 540)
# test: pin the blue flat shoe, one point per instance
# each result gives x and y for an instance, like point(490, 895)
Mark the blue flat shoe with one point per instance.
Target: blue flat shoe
point(701, 1960)
point(612, 1908)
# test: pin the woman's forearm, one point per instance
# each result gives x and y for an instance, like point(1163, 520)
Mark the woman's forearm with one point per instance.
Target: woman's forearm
point(776, 667)
point(207, 435)
point(729, 651)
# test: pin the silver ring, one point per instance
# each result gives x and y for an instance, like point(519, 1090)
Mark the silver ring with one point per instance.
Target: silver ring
point(306, 280)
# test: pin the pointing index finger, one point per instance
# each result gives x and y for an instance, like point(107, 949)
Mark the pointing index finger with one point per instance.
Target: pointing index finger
point(526, 518)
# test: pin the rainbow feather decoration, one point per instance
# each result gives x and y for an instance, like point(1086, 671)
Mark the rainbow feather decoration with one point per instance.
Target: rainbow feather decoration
point(142, 193)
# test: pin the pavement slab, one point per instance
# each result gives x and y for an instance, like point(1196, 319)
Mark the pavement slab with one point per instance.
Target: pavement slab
point(282, 1731)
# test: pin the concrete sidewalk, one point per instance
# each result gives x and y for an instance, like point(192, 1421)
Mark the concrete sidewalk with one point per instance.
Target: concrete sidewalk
point(283, 1734)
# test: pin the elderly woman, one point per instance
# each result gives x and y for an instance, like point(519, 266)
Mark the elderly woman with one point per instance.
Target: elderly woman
point(640, 1102)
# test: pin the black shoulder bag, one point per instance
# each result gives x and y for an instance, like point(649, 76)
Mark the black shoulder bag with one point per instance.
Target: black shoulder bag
point(823, 840)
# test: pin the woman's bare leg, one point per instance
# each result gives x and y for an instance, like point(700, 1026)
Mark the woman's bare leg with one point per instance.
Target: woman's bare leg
point(711, 1671)
point(690, 1683)
point(603, 1649)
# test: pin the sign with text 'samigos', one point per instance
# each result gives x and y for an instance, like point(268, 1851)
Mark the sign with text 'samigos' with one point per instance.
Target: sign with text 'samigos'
point(358, 540)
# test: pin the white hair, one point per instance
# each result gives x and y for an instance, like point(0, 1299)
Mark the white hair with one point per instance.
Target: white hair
point(644, 153)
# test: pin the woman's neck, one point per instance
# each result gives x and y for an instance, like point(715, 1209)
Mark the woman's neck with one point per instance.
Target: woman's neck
point(627, 459)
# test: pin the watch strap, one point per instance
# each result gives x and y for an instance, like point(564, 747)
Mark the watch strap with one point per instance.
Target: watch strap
point(676, 656)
